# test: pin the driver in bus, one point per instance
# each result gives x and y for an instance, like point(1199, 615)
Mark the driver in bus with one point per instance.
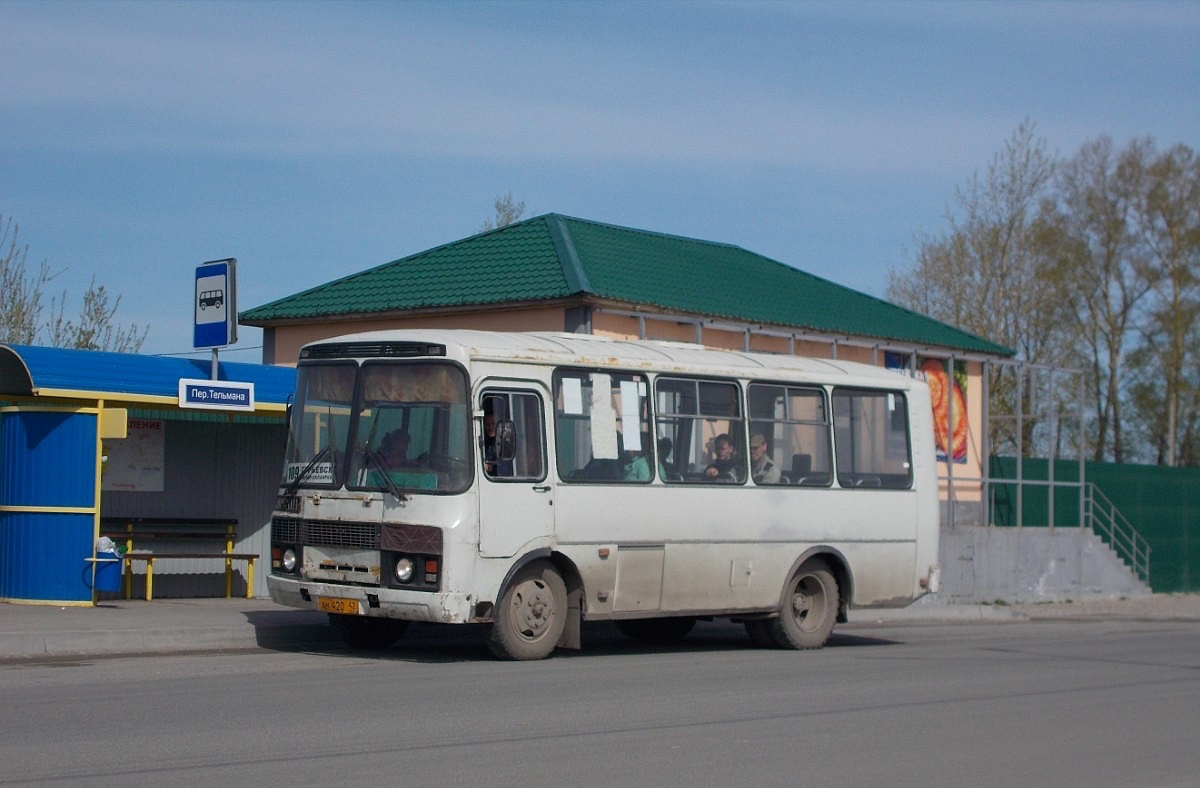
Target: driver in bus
point(394, 449)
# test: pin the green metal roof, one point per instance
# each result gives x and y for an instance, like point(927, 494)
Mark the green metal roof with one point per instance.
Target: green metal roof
point(554, 257)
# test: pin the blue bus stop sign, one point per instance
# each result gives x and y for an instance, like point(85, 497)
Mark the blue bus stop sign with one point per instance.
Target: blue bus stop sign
point(215, 304)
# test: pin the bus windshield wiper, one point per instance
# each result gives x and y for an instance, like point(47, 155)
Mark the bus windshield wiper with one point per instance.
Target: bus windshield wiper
point(384, 472)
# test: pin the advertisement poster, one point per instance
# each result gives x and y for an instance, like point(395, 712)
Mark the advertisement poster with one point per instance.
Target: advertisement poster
point(135, 464)
point(948, 394)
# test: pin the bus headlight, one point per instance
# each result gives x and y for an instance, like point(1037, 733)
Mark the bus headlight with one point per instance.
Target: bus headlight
point(404, 569)
point(288, 560)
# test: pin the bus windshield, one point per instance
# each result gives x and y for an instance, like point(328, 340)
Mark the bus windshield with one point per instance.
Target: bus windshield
point(391, 426)
point(320, 424)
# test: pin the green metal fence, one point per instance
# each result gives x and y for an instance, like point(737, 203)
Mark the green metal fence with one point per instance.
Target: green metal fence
point(1162, 505)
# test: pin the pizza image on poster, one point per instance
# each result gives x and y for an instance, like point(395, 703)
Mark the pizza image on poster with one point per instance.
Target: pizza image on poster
point(948, 395)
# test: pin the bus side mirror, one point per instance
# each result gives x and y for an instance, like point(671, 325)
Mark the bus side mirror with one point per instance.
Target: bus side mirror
point(506, 440)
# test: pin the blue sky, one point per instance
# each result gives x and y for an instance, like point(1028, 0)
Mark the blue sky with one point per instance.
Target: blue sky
point(311, 140)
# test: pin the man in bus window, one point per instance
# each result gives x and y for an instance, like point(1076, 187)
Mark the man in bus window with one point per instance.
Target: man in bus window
point(762, 469)
point(725, 465)
point(492, 464)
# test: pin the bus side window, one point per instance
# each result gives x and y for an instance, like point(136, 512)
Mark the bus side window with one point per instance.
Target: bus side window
point(511, 443)
point(873, 448)
point(601, 422)
point(702, 419)
point(795, 424)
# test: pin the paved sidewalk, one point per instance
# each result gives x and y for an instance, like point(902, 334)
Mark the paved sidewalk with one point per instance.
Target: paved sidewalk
point(161, 626)
point(188, 625)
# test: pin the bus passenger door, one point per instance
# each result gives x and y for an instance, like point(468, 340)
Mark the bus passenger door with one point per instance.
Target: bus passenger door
point(516, 500)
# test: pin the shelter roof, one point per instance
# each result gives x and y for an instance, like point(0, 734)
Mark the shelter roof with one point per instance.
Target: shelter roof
point(553, 257)
point(61, 373)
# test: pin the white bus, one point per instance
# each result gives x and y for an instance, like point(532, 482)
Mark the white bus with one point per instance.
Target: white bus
point(533, 481)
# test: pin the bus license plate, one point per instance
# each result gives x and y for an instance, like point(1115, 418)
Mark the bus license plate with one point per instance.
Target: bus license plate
point(332, 604)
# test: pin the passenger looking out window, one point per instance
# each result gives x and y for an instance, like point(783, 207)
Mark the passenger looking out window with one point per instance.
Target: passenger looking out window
point(726, 465)
point(762, 469)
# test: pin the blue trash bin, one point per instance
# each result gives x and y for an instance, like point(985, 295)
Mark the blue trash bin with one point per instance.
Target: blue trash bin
point(108, 572)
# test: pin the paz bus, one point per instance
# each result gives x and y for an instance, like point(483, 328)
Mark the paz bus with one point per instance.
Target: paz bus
point(534, 481)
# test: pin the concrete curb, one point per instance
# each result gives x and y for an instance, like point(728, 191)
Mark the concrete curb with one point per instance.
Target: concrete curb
point(938, 614)
point(81, 643)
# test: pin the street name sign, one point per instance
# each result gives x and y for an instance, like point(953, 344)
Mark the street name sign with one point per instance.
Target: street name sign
point(216, 394)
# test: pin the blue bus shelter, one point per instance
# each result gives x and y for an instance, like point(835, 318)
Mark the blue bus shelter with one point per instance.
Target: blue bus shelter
point(58, 407)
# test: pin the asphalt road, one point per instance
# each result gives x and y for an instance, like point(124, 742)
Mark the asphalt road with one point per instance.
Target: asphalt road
point(1054, 703)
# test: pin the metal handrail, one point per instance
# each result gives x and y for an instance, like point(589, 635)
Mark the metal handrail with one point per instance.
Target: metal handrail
point(1103, 517)
point(1097, 513)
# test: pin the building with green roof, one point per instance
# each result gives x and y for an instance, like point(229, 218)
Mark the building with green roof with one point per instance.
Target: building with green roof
point(560, 273)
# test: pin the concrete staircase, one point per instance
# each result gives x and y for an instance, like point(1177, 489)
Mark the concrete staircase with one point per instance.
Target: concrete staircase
point(984, 564)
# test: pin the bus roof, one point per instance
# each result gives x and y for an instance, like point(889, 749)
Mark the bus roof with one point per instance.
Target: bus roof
point(590, 350)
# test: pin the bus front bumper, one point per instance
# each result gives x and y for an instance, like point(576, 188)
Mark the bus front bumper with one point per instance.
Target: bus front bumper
point(425, 606)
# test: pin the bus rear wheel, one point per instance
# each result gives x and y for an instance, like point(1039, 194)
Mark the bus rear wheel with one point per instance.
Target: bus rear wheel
point(809, 608)
point(531, 616)
point(367, 633)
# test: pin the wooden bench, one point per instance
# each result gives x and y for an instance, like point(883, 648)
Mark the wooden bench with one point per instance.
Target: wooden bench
point(136, 531)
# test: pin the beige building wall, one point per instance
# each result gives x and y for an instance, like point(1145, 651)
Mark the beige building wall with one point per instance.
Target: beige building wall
point(289, 339)
point(858, 354)
point(760, 343)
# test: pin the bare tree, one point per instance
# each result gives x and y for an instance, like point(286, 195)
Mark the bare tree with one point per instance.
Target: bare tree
point(21, 308)
point(1169, 225)
point(988, 272)
point(1100, 271)
point(95, 329)
point(988, 257)
point(507, 212)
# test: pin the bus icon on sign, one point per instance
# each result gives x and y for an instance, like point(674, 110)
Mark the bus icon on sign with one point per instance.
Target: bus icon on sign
point(212, 298)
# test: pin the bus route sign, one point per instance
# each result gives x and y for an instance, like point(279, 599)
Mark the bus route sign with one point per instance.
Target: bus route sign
point(215, 304)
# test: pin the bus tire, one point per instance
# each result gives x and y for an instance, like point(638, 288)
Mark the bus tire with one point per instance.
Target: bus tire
point(367, 633)
point(809, 608)
point(532, 614)
point(657, 630)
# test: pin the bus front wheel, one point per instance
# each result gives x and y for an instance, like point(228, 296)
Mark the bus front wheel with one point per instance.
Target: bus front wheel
point(531, 616)
point(808, 609)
